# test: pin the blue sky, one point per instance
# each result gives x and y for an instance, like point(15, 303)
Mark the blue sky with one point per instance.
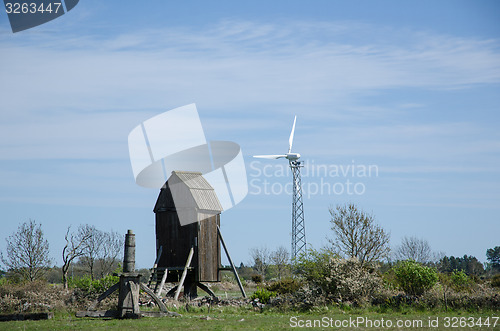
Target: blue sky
point(410, 87)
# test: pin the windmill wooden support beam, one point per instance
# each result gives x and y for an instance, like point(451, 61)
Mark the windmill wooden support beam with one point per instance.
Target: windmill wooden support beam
point(184, 273)
point(129, 287)
point(162, 283)
point(177, 288)
point(232, 264)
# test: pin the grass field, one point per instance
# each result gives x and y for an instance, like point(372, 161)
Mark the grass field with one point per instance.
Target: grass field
point(247, 319)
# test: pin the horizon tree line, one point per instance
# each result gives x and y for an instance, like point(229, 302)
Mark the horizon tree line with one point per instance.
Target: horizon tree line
point(356, 235)
point(27, 255)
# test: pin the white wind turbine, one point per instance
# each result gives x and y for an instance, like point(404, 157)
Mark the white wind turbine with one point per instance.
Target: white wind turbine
point(298, 224)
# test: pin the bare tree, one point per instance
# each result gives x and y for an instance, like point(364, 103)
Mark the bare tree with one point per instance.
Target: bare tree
point(91, 248)
point(27, 252)
point(74, 248)
point(111, 254)
point(280, 258)
point(261, 259)
point(357, 235)
point(415, 249)
point(101, 251)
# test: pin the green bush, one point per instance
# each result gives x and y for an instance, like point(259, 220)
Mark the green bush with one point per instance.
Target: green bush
point(263, 295)
point(284, 286)
point(389, 280)
point(313, 265)
point(414, 278)
point(87, 285)
point(338, 279)
point(257, 278)
point(4, 281)
point(459, 280)
point(495, 281)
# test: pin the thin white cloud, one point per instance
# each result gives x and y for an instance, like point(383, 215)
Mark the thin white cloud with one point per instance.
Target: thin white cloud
point(239, 62)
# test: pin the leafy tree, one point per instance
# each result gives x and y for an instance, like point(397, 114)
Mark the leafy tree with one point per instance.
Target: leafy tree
point(413, 248)
point(357, 235)
point(493, 256)
point(415, 278)
point(469, 264)
point(27, 252)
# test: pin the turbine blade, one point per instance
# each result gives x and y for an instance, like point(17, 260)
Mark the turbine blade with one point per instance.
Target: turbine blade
point(269, 156)
point(290, 141)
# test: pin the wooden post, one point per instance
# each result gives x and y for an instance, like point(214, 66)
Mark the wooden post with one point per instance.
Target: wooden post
point(232, 264)
point(129, 252)
point(128, 297)
point(129, 286)
point(184, 273)
point(163, 279)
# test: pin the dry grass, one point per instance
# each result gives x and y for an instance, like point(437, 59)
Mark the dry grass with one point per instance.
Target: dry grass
point(41, 297)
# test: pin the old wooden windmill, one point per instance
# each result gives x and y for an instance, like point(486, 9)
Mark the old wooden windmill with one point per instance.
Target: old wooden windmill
point(188, 254)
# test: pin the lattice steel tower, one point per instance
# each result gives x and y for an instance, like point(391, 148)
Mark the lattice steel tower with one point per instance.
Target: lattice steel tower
point(298, 223)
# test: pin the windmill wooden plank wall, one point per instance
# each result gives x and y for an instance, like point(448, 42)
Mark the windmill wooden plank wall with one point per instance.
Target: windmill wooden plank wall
point(200, 204)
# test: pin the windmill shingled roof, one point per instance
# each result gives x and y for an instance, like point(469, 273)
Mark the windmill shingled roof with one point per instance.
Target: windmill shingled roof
point(193, 180)
point(203, 193)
